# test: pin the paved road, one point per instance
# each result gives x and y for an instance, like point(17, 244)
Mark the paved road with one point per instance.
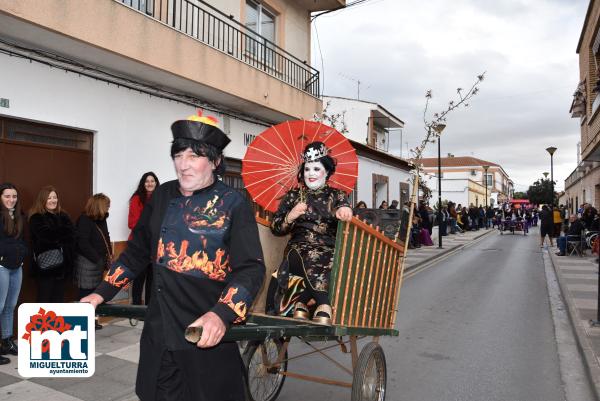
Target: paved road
point(476, 326)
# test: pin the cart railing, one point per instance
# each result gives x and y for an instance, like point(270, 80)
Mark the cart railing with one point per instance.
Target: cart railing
point(366, 277)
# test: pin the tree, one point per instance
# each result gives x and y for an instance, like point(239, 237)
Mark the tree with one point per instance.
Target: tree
point(540, 191)
point(430, 126)
point(520, 195)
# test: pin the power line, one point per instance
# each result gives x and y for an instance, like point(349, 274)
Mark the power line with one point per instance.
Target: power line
point(351, 4)
point(322, 64)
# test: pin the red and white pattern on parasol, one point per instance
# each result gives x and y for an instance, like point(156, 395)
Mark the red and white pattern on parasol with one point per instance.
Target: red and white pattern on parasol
point(270, 166)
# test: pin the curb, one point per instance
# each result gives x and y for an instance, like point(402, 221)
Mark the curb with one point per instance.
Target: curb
point(592, 368)
point(446, 252)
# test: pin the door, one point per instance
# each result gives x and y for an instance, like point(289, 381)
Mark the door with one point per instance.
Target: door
point(34, 155)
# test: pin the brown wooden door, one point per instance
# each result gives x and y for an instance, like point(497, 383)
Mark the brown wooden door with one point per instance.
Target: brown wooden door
point(30, 166)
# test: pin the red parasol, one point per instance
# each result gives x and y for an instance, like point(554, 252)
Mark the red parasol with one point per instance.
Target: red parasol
point(271, 163)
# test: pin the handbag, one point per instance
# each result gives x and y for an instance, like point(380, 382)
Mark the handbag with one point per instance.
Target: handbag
point(108, 250)
point(50, 259)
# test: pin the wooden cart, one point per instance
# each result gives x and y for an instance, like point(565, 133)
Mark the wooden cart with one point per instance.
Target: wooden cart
point(365, 281)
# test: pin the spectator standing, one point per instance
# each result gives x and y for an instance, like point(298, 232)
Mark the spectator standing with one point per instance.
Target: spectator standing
point(474, 217)
point(94, 252)
point(489, 215)
point(558, 221)
point(13, 252)
point(51, 230)
point(452, 218)
point(383, 205)
point(424, 216)
point(546, 225)
point(443, 224)
point(464, 219)
point(138, 200)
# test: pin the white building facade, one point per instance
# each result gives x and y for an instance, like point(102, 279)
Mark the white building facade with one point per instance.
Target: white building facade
point(89, 90)
point(382, 174)
point(464, 181)
point(110, 77)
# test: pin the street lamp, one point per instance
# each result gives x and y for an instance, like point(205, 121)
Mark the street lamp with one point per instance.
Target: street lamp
point(551, 150)
point(438, 128)
point(485, 168)
point(545, 173)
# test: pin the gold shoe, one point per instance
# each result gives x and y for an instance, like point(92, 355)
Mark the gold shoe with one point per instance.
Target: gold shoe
point(323, 314)
point(300, 311)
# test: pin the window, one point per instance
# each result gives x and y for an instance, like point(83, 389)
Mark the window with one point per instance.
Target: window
point(146, 6)
point(234, 180)
point(489, 179)
point(261, 21)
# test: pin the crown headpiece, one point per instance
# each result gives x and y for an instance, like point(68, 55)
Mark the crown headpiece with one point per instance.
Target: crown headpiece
point(314, 153)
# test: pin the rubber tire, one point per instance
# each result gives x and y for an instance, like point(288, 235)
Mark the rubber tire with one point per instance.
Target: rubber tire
point(248, 355)
point(371, 351)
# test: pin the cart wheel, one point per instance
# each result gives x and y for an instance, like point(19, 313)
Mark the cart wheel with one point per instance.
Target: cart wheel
point(263, 383)
point(370, 374)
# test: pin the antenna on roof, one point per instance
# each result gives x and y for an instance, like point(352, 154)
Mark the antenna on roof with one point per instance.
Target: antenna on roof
point(358, 82)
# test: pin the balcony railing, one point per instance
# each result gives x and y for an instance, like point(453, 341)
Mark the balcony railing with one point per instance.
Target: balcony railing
point(573, 178)
point(210, 26)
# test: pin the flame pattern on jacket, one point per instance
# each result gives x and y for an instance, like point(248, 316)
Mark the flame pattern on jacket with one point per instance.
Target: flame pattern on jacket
point(235, 299)
point(181, 262)
point(115, 278)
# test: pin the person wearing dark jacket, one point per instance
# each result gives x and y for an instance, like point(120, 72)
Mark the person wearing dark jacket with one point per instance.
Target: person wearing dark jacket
point(51, 228)
point(94, 252)
point(424, 215)
point(575, 229)
point(546, 225)
point(13, 252)
point(208, 267)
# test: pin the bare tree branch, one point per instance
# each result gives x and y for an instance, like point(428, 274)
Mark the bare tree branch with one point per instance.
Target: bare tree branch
point(439, 118)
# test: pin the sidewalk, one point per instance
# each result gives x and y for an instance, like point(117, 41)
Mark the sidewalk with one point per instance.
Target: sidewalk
point(425, 254)
point(117, 350)
point(578, 279)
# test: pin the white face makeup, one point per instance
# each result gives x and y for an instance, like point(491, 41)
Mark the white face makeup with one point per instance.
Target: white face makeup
point(315, 175)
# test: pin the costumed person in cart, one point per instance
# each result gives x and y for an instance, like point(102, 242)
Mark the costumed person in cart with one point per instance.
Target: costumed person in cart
point(208, 266)
point(310, 214)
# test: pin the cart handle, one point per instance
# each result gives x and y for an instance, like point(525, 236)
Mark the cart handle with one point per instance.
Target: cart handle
point(193, 334)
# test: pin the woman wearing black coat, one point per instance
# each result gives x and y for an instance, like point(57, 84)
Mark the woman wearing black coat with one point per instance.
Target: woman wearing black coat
point(51, 228)
point(546, 226)
point(94, 252)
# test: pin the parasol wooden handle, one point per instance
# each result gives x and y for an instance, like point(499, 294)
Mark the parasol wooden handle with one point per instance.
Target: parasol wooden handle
point(193, 334)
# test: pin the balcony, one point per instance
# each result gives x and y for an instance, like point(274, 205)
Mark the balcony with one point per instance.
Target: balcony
point(210, 26)
point(182, 46)
point(381, 125)
point(573, 178)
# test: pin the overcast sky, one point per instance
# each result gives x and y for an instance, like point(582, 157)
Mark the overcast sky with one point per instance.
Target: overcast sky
point(400, 49)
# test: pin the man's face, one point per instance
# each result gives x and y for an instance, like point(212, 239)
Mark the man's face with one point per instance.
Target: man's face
point(572, 218)
point(315, 175)
point(193, 172)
